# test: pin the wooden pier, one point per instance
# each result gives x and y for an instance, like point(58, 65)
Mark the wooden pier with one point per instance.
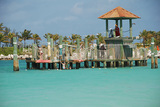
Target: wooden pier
point(118, 51)
point(48, 64)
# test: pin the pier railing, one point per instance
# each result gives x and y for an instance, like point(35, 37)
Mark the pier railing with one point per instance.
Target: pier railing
point(110, 52)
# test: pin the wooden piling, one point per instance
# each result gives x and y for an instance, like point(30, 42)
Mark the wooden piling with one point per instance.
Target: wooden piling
point(77, 65)
point(92, 64)
point(44, 66)
point(15, 59)
point(28, 65)
point(71, 65)
point(55, 65)
point(128, 63)
point(49, 65)
point(145, 62)
point(86, 65)
point(118, 64)
point(38, 66)
point(33, 65)
point(142, 62)
point(111, 64)
point(131, 63)
point(60, 65)
point(95, 64)
point(139, 63)
point(122, 63)
point(104, 64)
point(98, 64)
point(152, 52)
point(156, 59)
point(114, 63)
point(108, 64)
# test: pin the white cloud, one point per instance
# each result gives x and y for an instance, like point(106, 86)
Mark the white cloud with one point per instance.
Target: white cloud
point(77, 8)
point(68, 18)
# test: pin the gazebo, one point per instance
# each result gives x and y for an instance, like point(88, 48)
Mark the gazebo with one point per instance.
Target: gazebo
point(122, 47)
point(117, 14)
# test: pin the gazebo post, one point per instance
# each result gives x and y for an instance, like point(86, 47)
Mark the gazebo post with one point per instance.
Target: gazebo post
point(107, 28)
point(121, 29)
point(130, 23)
point(117, 22)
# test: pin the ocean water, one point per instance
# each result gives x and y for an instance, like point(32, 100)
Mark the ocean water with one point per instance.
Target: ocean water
point(110, 87)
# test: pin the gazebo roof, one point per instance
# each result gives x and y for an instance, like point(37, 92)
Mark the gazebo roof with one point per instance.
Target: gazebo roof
point(118, 13)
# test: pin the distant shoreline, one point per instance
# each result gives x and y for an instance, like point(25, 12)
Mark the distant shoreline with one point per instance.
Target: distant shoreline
point(10, 57)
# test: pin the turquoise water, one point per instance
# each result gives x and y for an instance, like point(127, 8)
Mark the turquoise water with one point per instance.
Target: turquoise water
point(111, 87)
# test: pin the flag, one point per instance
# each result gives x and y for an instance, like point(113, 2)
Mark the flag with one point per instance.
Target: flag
point(157, 48)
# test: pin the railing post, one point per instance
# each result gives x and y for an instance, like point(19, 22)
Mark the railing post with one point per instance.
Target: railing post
point(52, 55)
point(60, 47)
point(97, 48)
point(86, 48)
point(78, 48)
point(49, 47)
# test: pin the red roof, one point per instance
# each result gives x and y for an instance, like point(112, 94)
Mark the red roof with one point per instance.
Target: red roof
point(118, 13)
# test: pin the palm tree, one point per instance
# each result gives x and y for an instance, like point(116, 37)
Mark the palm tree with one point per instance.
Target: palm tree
point(6, 41)
point(55, 37)
point(74, 37)
point(101, 38)
point(157, 42)
point(146, 35)
point(1, 38)
point(45, 36)
point(1, 27)
point(10, 37)
point(92, 38)
point(26, 35)
point(6, 32)
point(20, 39)
point(65, 39)
point(36, 38)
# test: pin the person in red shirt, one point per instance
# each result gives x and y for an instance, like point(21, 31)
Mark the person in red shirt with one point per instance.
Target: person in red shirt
point(117, 31)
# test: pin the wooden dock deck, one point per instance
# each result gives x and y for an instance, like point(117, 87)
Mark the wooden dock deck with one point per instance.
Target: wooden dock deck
point(96, 63)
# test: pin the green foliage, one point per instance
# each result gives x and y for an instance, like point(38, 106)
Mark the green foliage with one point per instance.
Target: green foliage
point(10, 37)
point(65, 39)
point(101, 38)
point(146, 35)
point(26, 35)
point(55, 37)
point(36, 37)
point(1, 38)
point(74, 37)
point(1, 27)
point(9, 50)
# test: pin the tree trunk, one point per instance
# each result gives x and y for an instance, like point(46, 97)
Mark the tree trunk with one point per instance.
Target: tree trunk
point(10, 42)
point(24, 43)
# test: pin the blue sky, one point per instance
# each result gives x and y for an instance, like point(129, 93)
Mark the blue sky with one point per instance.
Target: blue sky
point(67, 17)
